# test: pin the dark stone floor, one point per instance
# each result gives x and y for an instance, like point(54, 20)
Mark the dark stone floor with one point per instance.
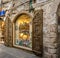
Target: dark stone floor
point(7, 52)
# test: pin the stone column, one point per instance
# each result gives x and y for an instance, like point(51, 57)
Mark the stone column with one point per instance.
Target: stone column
point(49, 31)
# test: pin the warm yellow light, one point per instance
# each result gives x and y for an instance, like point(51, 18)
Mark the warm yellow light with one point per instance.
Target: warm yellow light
point(2, 24)
point(23, 22)
point(23, 18)
point(21, 34)
point(24, 37)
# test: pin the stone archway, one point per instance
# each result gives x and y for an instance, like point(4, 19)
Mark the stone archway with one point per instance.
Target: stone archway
point(22, 29)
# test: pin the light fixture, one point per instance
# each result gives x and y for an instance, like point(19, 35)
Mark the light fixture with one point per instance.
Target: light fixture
point(30, 6)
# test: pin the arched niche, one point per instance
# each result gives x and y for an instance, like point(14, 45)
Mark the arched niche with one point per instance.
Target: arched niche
point(22, 31)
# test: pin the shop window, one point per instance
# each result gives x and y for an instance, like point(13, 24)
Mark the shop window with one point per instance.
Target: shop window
point(23, 31)
point(1, 30)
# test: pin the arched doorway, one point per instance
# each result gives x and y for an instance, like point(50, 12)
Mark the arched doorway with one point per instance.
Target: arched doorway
point(1, 30)
point(28, 32)
point(22, 29)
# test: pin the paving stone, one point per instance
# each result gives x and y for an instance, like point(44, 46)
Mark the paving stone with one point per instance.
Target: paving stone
point(6, 55)
point(7, 52)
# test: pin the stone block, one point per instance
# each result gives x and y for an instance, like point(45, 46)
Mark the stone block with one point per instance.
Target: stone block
point(48, 55)
point(52, 51)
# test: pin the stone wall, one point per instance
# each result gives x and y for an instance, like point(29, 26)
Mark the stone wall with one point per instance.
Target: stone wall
point(50, 40)
point(50, 27)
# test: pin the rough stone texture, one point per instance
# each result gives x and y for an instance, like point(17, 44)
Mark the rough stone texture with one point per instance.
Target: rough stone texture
point(50, 40)
point(9, 52)
point(50, 30)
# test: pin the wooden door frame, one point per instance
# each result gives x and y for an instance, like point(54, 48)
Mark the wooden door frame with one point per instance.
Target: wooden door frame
point(39, 53)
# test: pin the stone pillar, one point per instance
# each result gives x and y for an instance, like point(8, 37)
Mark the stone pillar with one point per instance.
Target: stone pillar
point(49, 31)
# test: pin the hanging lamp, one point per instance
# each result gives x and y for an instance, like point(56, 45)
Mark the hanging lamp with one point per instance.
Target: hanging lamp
point(30, 6)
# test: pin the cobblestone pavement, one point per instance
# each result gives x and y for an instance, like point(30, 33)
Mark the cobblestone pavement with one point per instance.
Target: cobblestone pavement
point(7, 52)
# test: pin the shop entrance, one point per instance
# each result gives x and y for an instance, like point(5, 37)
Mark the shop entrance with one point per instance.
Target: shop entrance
point(1, 30)
point(22, 32)
point(28, 32)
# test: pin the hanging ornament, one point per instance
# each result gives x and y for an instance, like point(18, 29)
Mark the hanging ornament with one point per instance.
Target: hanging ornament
point(30, 6)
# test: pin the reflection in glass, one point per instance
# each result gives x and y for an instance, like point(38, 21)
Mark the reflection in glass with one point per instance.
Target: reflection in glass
point(22, 34)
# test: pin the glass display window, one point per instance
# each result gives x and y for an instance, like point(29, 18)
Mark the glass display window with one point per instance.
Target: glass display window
point(1, 30)
point(23, 31)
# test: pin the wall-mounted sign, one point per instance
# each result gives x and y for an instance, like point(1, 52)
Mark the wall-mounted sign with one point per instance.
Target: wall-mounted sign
point(2, 13)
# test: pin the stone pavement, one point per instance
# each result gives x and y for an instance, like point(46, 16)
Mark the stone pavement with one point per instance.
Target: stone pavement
point(7, 52)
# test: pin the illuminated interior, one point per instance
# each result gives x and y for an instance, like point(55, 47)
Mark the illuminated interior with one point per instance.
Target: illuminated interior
point(22, 31)
point(1, 30)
